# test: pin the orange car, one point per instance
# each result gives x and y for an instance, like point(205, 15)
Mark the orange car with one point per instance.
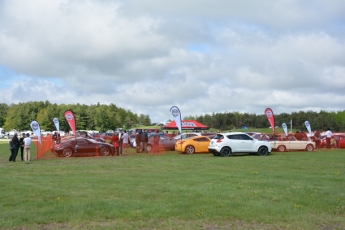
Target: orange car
point(196, 144)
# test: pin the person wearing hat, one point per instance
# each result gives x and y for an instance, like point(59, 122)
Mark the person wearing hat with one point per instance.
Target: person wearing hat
point(27, 144)
point(15, 147)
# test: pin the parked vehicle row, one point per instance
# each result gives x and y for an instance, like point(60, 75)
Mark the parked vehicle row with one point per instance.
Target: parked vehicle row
point(221, 144)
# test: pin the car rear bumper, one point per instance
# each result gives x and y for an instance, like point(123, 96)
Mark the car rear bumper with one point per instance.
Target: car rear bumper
point(213, 149)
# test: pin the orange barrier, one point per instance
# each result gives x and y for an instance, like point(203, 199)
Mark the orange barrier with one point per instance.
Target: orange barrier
point(43, 146)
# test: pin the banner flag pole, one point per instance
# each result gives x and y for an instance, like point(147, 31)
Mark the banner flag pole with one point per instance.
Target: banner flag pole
point(175, 112)
point(69, 115)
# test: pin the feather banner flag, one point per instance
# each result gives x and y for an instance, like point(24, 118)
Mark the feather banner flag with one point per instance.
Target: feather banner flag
point(307, 124)
point(270, 117)
point(175, 112)
point(285, 129)
point(35, 126)
point(56, 122)
point(69, 115)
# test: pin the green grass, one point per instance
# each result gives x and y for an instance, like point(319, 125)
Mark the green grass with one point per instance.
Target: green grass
point(294, 190)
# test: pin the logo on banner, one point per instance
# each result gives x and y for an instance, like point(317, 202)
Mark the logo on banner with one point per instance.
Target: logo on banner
point(175, 112)
point(34, 126)
point(269, 113)
point(69, 116)
point(55, 120)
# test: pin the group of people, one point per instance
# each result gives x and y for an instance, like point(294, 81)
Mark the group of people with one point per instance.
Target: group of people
point(23, 143)
point(330, 141)
point(120, 140)
point(56, 138)
point(141, 140)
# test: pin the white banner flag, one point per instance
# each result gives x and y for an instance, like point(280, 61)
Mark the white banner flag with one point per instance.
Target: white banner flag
point(285, 129)
point(175, 112)
point(56, 122)
point(36, 129)
point(308, 127)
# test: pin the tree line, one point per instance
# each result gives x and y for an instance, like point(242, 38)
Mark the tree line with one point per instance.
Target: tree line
point(88, 117)
point(230, 120)
point(109, 117)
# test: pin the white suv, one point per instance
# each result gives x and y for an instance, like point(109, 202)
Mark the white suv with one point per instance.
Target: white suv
point(225, 144)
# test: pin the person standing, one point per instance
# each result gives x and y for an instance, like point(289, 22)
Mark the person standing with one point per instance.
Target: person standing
point(120, 142)
point(15, 147)
point(21, 146)
point(298, 135)
point(58, 139)
point(125, 142)
point(138, 141)
point(156, 138)
point(144, 140)
point(115, 141)
point(27, 148)
point(329, 135)
point(317, 139)
point(11, 149)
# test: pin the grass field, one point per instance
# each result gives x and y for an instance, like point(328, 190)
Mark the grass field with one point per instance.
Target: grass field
point(292, 190)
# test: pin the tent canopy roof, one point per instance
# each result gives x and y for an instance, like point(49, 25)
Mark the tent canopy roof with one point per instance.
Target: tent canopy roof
point(187, 124)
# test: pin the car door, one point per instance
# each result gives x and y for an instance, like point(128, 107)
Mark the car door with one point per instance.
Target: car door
point(86, 147)
point(201, 144)
point(247, 143)
point(235, 143)
point(293, 144)
point(164, 142)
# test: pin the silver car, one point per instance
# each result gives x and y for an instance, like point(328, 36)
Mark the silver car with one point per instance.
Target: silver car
point(226, 144)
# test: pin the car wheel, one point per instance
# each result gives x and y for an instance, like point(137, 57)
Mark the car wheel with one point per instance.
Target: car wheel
point(263, 151)
point(190, 149)
point(67, 152)
point(225, 152)
point(216, 154)
point(281, 148)
point(104, 151)
point(148, 148)
point(310, 148)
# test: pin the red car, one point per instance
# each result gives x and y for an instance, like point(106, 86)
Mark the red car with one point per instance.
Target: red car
point(86, 147)
point(339, 141)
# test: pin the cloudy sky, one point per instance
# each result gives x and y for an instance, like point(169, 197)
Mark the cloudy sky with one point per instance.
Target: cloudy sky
point(203, 56)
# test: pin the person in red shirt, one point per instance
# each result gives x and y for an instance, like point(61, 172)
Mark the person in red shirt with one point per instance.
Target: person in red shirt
point(317, 139)
point(298, 135)
point(115, 141)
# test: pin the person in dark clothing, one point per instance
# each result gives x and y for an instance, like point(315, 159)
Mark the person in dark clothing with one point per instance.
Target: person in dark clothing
point(11, 149)
point(21, 146)
point(144, 140)
point(15, 146)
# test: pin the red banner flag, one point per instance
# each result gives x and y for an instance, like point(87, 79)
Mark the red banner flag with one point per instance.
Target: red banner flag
point(270, 117)
point(71, 121)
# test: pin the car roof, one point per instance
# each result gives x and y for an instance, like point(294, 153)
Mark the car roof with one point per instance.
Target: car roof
point(232, 133)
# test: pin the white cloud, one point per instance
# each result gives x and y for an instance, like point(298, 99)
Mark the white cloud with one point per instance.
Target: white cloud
point(199, 55)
